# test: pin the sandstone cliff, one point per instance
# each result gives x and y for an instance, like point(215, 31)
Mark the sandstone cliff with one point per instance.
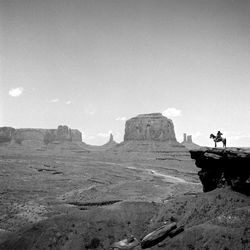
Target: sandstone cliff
point(223, 167)
point(6, 134)
point(151, 133)
point(149, 127)
point(27, 136)
point(64, 133)
point(110, 144)
point(188, 142)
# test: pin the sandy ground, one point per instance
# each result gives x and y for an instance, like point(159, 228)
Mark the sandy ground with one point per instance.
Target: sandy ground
point(61, 199)
point(36, 185)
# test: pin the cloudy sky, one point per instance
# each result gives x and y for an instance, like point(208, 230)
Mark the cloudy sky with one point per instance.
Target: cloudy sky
point(92, 64)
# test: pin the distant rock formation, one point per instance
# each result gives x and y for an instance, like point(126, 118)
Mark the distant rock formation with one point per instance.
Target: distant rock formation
point(151, 133)
point(150, 127)
point(64, 133)
point(188, 142)
point(25, 136)
point(110, 144)
point(6, 134)
point(223, 167)
point(187, 138)
point(111, 138)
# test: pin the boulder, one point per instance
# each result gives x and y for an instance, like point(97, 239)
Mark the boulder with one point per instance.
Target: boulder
point(150, 127)
point(157, 235)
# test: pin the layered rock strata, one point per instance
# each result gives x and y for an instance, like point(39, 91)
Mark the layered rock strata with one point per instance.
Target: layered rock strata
point(44, 136)
point(6, 134)
point(151, 133)
point(223, 167)
point(149, 127)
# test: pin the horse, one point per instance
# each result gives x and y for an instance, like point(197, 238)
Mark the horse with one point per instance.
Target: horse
point(223, 140)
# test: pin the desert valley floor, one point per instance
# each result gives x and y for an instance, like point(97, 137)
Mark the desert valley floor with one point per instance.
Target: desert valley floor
point(35, 186)
point(88, 199)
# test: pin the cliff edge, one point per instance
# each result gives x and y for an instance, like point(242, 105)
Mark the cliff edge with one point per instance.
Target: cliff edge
point(223, 167)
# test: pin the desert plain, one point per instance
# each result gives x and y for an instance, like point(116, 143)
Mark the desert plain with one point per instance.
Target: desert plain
point(65, 194)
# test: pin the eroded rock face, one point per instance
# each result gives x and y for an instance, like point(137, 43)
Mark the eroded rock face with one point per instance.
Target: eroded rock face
point(43, 136)
point(111, 138)
point(6, 134)
point(63, 133)
point(149, 127)
point(223, 167)
point(28, 134)
point(76, 135)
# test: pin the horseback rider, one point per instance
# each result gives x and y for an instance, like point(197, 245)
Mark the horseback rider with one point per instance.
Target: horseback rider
point(218, 136)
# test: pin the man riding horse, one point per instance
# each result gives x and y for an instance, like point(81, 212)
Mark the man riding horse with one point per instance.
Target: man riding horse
point(218, 138)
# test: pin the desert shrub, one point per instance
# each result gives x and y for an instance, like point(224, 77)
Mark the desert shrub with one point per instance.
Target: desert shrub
point(94, 243)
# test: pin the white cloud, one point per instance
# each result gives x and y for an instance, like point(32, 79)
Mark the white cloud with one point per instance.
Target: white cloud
point(89, 109)
point(171, 112)
point(68, 102)
point(15, 92)
point(123, 118)
point(104, 135)
point(90, 112)
point(53, 100)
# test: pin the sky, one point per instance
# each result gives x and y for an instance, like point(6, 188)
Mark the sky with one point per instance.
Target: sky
point(93, 64)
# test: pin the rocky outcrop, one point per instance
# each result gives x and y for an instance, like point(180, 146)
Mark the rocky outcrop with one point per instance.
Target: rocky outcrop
point(21, 135)
point(149, 127)
point(64, 133)
point(188, 142)
point(110, 144)
point(151, 133)
point(111, 138)
point(76, 135)
point(26, 136)
point(223, 167)
point(6, 134)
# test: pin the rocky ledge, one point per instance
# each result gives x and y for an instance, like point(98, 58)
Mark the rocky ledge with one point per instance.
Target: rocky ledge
point(223, 167)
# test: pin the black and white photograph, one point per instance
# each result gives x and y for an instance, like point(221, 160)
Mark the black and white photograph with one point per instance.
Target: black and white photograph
point(124, 124)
